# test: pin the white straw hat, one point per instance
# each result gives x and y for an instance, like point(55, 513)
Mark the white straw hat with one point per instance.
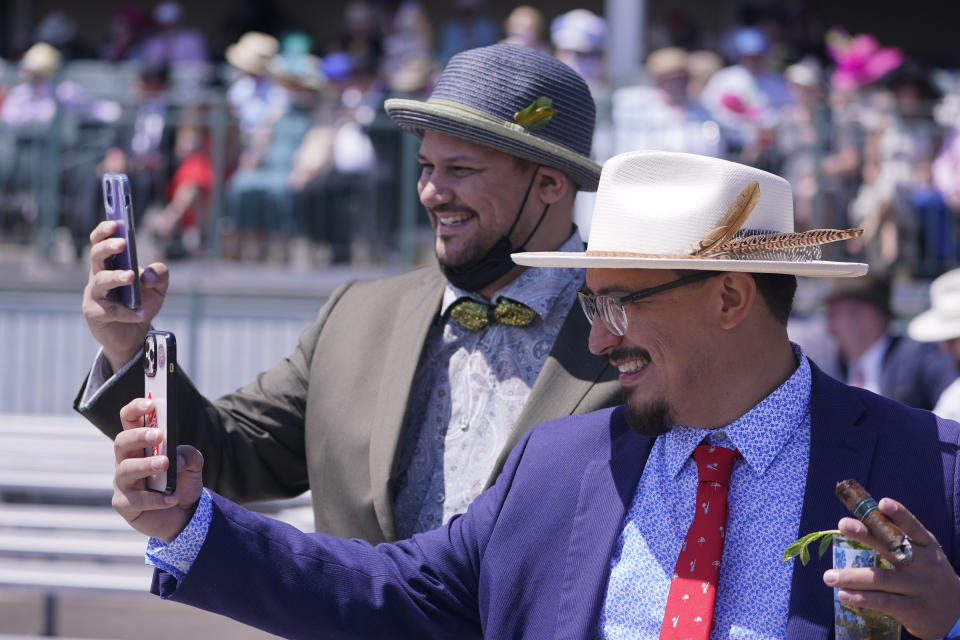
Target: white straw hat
point(942, 320)
point(662, 210)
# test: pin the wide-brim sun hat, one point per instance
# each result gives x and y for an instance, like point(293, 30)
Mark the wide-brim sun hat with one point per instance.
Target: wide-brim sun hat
point(664, 210)
point(252, 51)
point(41, 59)
point(942, 320)
point(514, 99)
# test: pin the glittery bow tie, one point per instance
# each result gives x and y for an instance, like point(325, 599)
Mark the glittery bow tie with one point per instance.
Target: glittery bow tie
point(474, 316)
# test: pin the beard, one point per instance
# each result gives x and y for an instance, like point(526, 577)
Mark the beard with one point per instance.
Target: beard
point(652, 419)
point(473, 252)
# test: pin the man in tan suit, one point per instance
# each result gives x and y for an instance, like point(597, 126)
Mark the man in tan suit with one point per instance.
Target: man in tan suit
point(401, 401)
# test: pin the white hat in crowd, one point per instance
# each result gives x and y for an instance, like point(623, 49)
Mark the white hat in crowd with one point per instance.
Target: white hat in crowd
point(942, 320)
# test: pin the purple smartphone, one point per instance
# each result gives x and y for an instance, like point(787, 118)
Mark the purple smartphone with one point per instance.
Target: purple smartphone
point(119, 207)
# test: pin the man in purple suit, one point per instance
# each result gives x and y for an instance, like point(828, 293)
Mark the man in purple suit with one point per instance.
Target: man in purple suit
point(691, 272)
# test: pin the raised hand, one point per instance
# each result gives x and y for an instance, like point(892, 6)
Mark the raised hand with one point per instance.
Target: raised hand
point(155, 514)
point(924, 597)
point(119, 330)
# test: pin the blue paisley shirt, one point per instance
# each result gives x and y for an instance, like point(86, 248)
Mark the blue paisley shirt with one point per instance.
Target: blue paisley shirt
point(474, 386)
point(765, 497)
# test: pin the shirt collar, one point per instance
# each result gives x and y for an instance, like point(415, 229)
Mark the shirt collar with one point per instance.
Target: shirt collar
point(759, 434)
point(538, 288)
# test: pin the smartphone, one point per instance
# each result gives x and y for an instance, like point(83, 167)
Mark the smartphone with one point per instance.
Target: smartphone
point(119, 207)
point(159, 384)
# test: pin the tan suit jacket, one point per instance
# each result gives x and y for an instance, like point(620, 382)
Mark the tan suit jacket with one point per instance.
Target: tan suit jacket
point(329, 416)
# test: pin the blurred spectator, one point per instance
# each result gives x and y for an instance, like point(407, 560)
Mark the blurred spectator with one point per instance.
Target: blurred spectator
point(407, 64)
point(525, 26)
point(173, 43)
point(179, 229)
point(59, 30)
point(468, 28)
point(662, 116)
point(124, 33)
point(701, 64)
point(941, 324)
point(904, 218)
point(259, 200)
point(255, 96)
point(362, 40)
point(858, 318)
point(820, 151)
point(33, 101)
point(143, 145)
point(333, 174)
point(578, 39)
point(946, 166)
point(746, 98)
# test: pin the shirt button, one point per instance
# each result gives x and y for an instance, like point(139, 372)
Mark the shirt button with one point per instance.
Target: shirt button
point(440, 497)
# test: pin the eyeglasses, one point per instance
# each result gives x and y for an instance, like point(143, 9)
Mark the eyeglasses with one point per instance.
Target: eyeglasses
point(610, 308)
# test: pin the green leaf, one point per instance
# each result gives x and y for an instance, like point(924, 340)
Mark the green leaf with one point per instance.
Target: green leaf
point(800, 547)
point(825, 544)
point(536, 115)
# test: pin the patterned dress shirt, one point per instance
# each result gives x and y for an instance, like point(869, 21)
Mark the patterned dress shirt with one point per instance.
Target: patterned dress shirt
point(765, 497)
point(473, 387)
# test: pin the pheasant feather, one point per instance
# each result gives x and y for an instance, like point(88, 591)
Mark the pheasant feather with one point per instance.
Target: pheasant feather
point(754, 245)
point(732, 220)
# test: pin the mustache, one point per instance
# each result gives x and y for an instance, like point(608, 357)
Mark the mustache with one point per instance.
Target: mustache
point(631, 353)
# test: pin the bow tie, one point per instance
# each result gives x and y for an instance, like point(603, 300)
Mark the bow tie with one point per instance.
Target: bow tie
point(474, 316)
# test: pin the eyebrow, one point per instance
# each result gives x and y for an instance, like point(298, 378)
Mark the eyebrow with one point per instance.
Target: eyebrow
point(450, 159)
point(606, 291)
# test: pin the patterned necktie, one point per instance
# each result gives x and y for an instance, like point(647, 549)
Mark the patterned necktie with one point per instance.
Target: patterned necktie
point(474, 316)
point(693, 590)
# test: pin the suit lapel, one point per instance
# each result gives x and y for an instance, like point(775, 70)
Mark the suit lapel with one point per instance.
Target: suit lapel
point(568, 373)
point(606, 491)
point(839, 449)
point(410, 325)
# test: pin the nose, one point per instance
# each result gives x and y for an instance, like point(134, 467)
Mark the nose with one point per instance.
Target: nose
point(601, 340)
point(433, 191)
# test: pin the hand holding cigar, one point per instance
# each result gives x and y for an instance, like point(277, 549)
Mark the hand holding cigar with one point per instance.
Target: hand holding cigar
point(862, 505)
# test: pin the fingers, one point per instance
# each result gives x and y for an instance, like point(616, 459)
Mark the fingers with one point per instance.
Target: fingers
point(102, 231)
point(156, 277)
point(105, 247)
point(907, 522)
point(189, 459)
point(102, 281)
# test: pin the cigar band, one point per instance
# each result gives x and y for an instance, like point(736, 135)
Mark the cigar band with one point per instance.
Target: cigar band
point(865, 507)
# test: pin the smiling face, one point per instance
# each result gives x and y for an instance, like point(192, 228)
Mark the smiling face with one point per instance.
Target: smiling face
point(664, 358)
point(472, 194)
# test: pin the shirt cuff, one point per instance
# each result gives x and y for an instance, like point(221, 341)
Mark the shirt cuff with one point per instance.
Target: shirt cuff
point(101, 377)
point(178, 556)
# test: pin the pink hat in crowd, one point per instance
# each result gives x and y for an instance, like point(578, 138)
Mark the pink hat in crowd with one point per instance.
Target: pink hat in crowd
point(860, 59)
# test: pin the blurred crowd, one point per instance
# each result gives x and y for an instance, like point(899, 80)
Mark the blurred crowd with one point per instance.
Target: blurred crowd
point(273, 145)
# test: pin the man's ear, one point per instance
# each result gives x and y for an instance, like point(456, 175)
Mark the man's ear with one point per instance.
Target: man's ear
point(553, 185)
point(738, 293)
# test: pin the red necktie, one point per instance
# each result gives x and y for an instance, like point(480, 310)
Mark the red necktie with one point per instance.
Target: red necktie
point(693, 590)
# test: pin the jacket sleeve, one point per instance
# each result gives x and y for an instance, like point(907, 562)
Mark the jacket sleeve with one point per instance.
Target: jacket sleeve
point(267, 574)
point(252, 439)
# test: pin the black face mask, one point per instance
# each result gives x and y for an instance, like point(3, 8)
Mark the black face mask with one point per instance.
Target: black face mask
point(496, 262)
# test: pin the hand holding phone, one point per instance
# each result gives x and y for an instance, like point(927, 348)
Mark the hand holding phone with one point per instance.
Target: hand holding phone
point(119, 207)
point(159, 385)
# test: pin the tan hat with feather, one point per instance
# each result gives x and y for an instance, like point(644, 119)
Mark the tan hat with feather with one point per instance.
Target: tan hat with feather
point(663, 210)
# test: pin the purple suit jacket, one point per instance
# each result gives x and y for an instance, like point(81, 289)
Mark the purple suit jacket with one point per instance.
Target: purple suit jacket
point(530, 558)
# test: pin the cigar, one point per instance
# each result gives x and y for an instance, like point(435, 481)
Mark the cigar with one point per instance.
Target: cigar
point(864, 507)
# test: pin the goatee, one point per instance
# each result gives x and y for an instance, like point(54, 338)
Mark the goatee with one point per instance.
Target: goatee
point(651, 420)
